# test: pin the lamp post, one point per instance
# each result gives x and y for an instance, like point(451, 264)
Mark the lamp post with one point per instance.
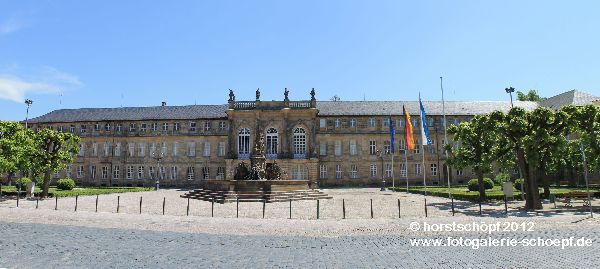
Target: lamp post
point(158, 157)
point(510, 90)
point(28, 102)
point(381, 155)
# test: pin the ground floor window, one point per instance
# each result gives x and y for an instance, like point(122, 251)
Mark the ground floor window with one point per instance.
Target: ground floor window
point(459, 172)
point(338, 171)
point(104, 174)
point(373, 170)
point(354, 171)
point(403, 171)
point(220, 172)
point(388, 170)
point(417, 169)
point(151, 172)
point(174, 172)
point(141, 172)
point(205, 173)
point(322, 171)
point(299, 172)
point(190, 173)
point(116, 172)
point(434, 169)
point(129, 172)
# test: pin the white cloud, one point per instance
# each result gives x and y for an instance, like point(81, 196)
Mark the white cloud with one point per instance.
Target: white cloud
point(51, 81)
point(10, 25)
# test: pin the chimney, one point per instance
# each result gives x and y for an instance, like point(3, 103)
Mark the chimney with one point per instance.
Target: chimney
point(164, 104)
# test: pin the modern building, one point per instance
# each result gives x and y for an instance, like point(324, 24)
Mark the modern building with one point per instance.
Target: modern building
point(331, 143)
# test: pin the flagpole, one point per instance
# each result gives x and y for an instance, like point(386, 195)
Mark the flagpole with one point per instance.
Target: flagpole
point(392, 150)
point(405, 147)
point(423, 125)
point(445, 137)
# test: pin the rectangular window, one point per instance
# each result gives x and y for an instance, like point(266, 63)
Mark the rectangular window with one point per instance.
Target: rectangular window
point(83, 129)
point(417, 148)
point(165, 127)
point(176, 126)
point(386, 147)
point(163, 149)
point(130, 172)
point(207, 126)
point(80, 171)
point(353, 150)
point(93, 172)
point(143, 127)
point(403, 171)
point(372, 147)
point(337, 123)
point(373, 170)
point(81, 150)
point(400, 124)
point(132, 127)
point(402, 144)
point(353, 171)
point(221, 150)
point(151, 172)
point(106, 127)
point(140, 172)
point(417, 169)
point(96, 127)
point(456, 121)
point(72, 129)
point(432, 148)
point(205, 173)
point(206, 152)
point(385, 123)
point(104, 173)
point(338, 171)
point(119, 127)
point(190, 173)
point(192, 126)
point(459, 172)
point(116, 172)
point(153, 149)
point(220, 172)
point(175, 148)
point(68, 171)
point(371, 122)
point(131, 149)
point(323, 149)
point(117, 149)
point(94, 149)
point(154, 126)
point(352, 123)
point(106, 149)
point(222, 126)
point(161, 173)
point(191, 151)
point(338, 148)
point(322, 123)
point(174, 172)
point(434, 169)
point(322, 171)
point(142, 147)
point(60, 128)
point(388, 170)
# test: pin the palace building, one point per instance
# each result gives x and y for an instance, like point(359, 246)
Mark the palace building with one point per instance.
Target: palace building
point(330, 143)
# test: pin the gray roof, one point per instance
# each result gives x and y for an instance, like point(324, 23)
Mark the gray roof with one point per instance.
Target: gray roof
point(358, 108)
point(134, 113)
point(573, 97)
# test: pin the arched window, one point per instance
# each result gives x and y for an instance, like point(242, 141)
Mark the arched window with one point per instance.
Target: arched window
point(244, 144)
point(299, 143)
point(272, 142)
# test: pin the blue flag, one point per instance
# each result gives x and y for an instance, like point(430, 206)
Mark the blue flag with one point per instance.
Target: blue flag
point(392, 132)
point(424, 130)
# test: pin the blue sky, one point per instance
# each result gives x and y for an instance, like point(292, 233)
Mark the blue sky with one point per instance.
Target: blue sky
point(71, 54)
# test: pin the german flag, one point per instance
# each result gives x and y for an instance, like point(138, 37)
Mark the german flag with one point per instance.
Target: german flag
point(408, 130)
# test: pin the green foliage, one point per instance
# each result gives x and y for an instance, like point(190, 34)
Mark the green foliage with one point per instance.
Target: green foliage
point(532, 95)
point(473, 184)
point(519, 184)
point(52, 191)
point(65, 184)
point(22, 183)
point(501, 178)
point(14, 144)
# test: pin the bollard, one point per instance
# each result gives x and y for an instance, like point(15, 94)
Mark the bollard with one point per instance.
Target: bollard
point(237, 207)
point(479, 206)
point(164, 201)
point(76, 199)
point(505, 206)
point(290, 208)
point(18, 194)
point(187, 211)
point(140, 204)
point(399, 208)
point(37, 202)
point(96, 203)
point(118, 203)
point(317, 208)
point(0, 190)
point(55, 202)
point(343, 209)
point(371, 208)
point(264, 204)
point(212, 207)
point(425, 207)
point(452, 205)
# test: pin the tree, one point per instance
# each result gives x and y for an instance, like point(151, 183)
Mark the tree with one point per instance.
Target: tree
point(536, 139)
point(532, 95)
point(14, 143)
point(477, 144)
point(55, 150)
point(335, 98)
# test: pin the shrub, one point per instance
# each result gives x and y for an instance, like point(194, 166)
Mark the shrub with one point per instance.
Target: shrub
point(22, 183)
point(501, 178)
point(65, 184)
point(518, 183)
point(473, 184)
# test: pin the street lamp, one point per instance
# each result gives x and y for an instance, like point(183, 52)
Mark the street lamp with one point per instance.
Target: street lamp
point(510, 90)
point(28, 102)
point(158, 157)
point(381, 155)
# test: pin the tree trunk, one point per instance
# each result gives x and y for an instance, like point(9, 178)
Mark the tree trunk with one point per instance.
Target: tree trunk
point(9, 179)
point(46, 184)
point(482, 196)
point(531, 188)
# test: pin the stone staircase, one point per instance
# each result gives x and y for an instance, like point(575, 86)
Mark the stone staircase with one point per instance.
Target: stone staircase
point(255, 196)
